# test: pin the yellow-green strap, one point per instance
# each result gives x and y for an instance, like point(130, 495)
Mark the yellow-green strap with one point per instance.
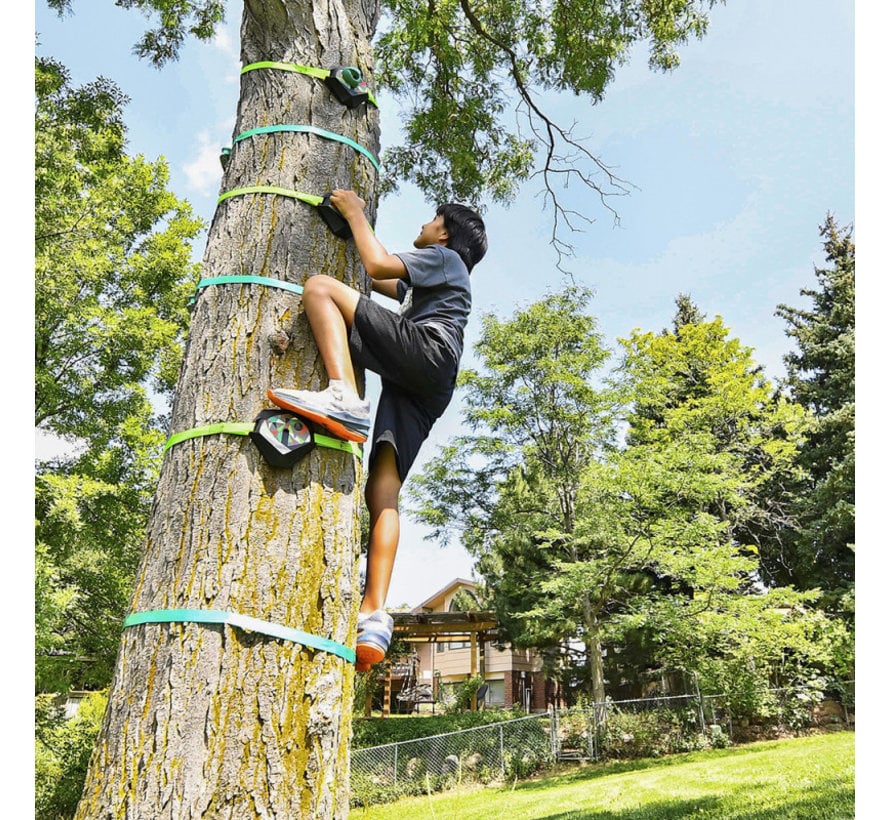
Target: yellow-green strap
point(329, 214)
point(311, 71)
point(309, 199)
point(310, 129)
point(237, 428)
point(245, 622)
point(337, 444)
point(243, 428)
point(308, 70)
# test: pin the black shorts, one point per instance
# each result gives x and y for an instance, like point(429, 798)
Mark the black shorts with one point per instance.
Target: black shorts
point(418, 370)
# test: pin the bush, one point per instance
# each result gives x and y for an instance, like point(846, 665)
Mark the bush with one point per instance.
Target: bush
point(464, 694)
point(651, 733)
point(62, 753)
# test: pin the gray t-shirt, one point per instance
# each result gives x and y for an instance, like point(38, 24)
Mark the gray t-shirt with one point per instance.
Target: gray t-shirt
point(437, 292)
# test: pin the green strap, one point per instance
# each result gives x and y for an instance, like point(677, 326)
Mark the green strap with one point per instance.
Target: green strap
point(237, 428)
point(245, 279)
point(309, 199)
point(243, 428)
point(311, 71)
point(337, 443)
point(216, 616)
point(310, 129)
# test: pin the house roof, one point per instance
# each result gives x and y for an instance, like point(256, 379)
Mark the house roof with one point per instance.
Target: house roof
point(449, 587)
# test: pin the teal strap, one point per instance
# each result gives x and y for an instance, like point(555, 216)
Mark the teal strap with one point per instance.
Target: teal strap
point(243, 428)
point(216, 616)
point(268, 281)
point(308, 70)
point(310, 129)
point(309, 199)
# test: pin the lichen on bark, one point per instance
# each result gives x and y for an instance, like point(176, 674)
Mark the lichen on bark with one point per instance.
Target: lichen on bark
point(212, 721)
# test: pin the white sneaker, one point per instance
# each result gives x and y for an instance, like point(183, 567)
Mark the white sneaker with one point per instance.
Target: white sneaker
point(336, 408)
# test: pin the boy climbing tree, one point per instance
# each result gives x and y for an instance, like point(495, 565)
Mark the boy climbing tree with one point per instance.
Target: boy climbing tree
point(416, 352)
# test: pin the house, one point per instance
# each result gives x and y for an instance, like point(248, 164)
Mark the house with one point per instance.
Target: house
point(454, 640)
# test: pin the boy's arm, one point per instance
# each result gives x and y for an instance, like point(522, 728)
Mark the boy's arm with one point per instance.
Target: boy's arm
point(388, 287)
point(378, 262)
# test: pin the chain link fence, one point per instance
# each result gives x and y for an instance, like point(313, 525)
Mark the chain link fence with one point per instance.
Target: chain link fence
point(511, 748)
point(647, 727)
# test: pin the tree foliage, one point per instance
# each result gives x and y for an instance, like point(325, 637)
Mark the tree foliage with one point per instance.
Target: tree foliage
point(708, 442)
point(461, 65)
point(112, 281)
point(175, 20)
point(62, 750)
point(513, 489)
point(643, 552)
point(113, 273)
point(822, 377)
point(474, 78)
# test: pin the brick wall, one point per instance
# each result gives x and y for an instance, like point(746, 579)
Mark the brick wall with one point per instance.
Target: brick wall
point(514, 684)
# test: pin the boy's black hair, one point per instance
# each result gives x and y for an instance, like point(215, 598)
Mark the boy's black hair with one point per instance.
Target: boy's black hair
point(466, 232)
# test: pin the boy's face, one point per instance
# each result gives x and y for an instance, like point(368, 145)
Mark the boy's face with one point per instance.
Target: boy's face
point(432, 233)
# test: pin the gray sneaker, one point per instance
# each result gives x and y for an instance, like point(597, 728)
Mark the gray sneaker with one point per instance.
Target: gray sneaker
point(338, 410)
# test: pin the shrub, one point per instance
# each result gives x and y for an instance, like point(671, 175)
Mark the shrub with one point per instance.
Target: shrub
point(464, 693)
point(62, 752)
point(380, 731)
point(651, 733)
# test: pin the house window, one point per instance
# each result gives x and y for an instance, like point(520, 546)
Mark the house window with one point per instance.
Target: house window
point(440, 647)
point(458, 644)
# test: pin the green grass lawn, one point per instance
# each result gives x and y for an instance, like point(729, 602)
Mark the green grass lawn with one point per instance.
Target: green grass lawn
point(808, 778)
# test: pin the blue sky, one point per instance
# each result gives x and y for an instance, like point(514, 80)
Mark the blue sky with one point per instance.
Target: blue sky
point(736, 156)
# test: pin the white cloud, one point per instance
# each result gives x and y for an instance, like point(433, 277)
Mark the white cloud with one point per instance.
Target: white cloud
point(202, 173)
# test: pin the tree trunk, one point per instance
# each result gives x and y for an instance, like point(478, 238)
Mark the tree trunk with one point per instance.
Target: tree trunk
point(595, 661)
point(211, 721)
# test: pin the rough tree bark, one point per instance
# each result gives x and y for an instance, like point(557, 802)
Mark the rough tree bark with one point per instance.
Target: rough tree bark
point(210, 721)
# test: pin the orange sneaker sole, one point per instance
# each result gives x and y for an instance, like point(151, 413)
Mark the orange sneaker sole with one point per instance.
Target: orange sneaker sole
point(366, 656)
point(329, 424)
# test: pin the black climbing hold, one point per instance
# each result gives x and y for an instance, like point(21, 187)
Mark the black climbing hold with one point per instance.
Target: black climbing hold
point(282, 438)
point(333, 219)
point(348, 86)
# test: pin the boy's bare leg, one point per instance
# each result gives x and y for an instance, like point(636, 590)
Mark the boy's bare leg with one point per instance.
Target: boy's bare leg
point(330, 307)
point(382, 496)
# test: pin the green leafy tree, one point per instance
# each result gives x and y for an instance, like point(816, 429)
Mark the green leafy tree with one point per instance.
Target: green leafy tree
point(512, 490)
point(112, 279)
point(282, 545)
point(822, 377)
point(112, 267)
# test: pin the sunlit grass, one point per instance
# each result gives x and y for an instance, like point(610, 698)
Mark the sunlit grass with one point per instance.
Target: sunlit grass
point(808, 778)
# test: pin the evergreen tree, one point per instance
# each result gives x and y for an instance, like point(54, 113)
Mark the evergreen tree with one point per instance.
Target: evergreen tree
point(708, 436)
point(822, 377)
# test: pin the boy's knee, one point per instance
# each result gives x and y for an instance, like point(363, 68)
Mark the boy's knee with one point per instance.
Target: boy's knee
point(317, 285)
